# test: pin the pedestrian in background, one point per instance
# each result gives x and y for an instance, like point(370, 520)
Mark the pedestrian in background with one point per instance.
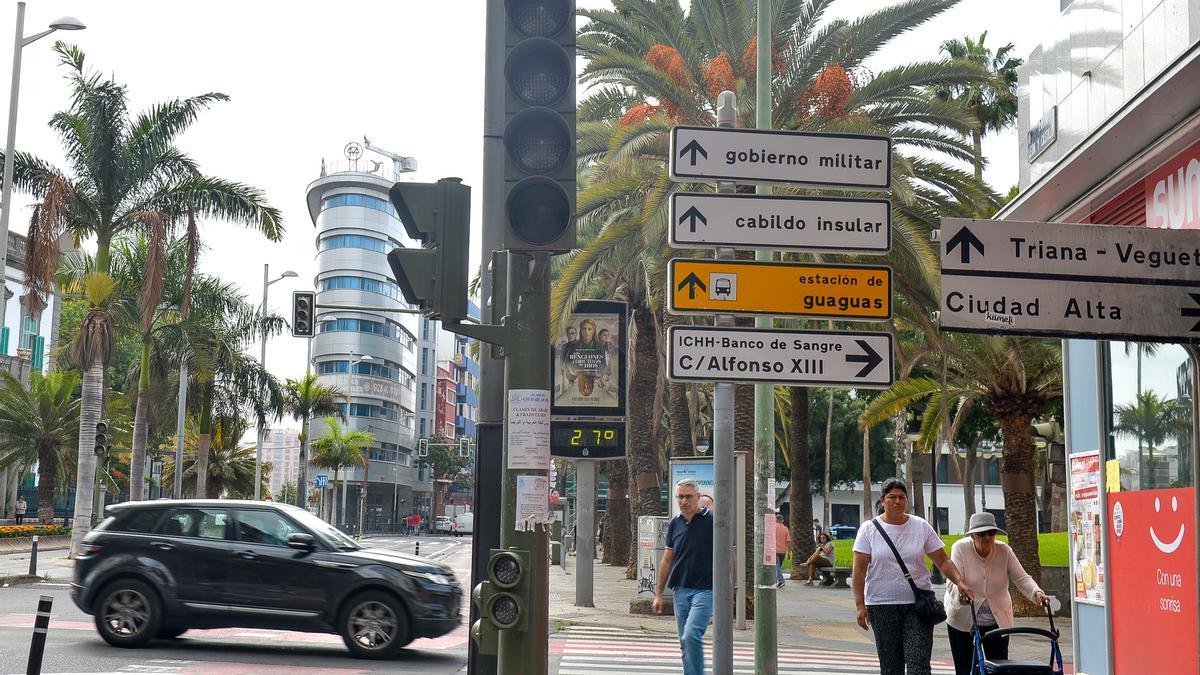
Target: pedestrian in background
point(817, 530)
point(20, 510)
point(823, 556)
point(688, 556)
point(988, 565)
point(889, 571)
point(782, 538)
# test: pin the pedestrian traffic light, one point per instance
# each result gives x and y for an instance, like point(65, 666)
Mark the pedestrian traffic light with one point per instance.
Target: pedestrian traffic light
point(434, 277)
point(539, 131)
point(303, 313)
point(101, 438)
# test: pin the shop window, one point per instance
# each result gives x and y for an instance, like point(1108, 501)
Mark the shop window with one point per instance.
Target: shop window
point(1151, 422)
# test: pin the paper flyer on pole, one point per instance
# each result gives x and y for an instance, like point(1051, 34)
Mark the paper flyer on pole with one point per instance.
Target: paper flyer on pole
point(1087, 565)
point(768, 539)
point(528, 424)
point(533, 501)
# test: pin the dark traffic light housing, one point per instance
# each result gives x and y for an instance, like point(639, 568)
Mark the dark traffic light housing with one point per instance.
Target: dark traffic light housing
point(434, 277)
point(504, 599)
point(102, 446)
point(539, 132)
point(304, 313)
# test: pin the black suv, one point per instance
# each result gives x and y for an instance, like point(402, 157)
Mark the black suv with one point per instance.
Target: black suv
point(154, 569)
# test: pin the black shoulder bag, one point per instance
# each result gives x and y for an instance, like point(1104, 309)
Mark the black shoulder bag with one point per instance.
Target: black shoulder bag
point(929, 608)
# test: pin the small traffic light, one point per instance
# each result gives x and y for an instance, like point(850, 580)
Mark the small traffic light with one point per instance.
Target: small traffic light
point(503, 600)
point(434, 277)
point(101, 438)
point(464, 447)
point(303, 313)
point(423, 447)
point(539, 131)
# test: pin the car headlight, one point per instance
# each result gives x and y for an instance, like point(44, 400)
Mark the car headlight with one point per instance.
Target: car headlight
point(431, 576)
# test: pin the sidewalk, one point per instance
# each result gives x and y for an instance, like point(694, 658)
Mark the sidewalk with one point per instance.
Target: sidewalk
point(51, 566)
point(807, 616)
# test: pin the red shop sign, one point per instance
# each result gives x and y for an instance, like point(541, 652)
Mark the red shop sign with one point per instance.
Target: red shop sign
point(1152, 540)
point(1172, 192)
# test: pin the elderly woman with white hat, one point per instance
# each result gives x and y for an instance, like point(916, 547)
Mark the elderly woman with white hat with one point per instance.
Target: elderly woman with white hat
point(987, 566)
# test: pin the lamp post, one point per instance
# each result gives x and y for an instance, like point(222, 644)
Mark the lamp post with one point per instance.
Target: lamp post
point(362, 493)
point(65, 23)
point(262, 431)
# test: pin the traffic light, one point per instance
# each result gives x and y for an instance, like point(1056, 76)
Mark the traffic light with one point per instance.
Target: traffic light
point(101, 438)
point(434, 277)
point(464, 447)
point(504, 599)
point(539, 131)
point(304, 312)
point(423, 447)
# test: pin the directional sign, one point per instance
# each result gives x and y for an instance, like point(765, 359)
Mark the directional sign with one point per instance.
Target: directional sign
point(764, 221)
point(321, 480)
point(763, 155)
point(790, 357)
point(1036, 306)
point(1067, 250)
point(782, 289)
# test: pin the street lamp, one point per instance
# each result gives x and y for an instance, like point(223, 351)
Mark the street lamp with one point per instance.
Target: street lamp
point(65, 23)
point(262, 432)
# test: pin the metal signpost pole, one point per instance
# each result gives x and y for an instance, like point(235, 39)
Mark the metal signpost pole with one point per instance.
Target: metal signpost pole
point(723, 469)
point(766, 636)
point(585, 530)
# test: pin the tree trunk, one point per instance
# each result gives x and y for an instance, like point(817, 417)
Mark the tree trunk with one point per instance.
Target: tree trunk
point(47, 481)
point(617, 533)
point(141, 427)
point(4, 496)
point(977, 147)
point(682, 443)
point(92, 399)
point(900, 440)
point(866, 493)
point(800, 477)
point(1020, 505)
point(302, 470)
point(827, 512)
point(203, 442)
point(642, 455)
point(743, 429)
point(968, 479)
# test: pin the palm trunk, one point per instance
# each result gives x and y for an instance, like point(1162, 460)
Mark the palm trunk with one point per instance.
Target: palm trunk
point(682, 444)
point(642, 455)
point(828, 511)
point(968, 478)
point(141, 427)
point(1020, 504)
point(302, 470)
point(866, 494)
point(977, 147)
point(203, 441)
point(800, 477)
point(47, 481)
point(333, 502)
point(617, 533)
point(85, 471)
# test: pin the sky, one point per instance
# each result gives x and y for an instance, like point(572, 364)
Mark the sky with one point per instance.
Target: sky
point(305, 79)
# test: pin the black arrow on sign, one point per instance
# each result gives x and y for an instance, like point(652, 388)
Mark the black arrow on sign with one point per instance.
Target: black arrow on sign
point(693, 214)
point(870, 357)
point(692, 281)
point(695, 148)
point(1192, 312)
point(964, 240)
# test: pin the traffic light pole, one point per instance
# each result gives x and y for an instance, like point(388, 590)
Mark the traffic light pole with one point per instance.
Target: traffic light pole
point(527, 367)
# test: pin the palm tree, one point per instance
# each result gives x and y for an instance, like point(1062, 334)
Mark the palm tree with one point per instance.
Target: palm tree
point(993, 102)
point(339, 449)
point(91, 351)
point(1152, 420)
point(40, 423)
point(230, 467)
point(1014, 379)
point(305, 399)
point(127, 175)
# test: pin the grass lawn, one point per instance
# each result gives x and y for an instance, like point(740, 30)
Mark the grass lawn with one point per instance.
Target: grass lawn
point(1053, 550)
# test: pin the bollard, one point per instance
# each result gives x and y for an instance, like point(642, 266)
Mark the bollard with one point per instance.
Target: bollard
point(38, 645)
point(418, 549)
point(33, 558)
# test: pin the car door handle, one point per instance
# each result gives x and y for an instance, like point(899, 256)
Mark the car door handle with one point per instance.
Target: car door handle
point(247, 555)
point(162, 545)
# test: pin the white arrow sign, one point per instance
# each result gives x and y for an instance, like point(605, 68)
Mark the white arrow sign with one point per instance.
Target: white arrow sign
point(789, 357)
point(765, 221)
point(1067, 250)
point(767, 156)
point(1033, 306)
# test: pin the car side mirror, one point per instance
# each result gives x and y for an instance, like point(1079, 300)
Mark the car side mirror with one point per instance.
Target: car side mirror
point(302, 542)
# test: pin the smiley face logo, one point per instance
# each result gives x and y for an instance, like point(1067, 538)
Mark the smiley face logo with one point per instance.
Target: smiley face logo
point(1171, 546)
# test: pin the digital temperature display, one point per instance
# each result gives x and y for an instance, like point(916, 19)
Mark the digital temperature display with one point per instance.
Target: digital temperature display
point(587, 440)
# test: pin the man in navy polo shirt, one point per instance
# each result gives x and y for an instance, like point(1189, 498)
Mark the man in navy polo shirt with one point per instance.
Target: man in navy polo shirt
point(688, 556)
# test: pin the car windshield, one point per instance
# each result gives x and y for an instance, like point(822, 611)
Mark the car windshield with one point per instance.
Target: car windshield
point(324, 531)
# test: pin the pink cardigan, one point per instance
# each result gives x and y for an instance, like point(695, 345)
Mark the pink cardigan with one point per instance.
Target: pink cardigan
point(988, 579)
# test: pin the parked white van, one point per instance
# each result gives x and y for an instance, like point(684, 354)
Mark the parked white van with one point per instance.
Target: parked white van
point(465, 522)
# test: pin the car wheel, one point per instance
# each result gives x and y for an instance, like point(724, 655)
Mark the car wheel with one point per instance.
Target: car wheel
point(170, 632)
point(374, 625)
point(128, 614)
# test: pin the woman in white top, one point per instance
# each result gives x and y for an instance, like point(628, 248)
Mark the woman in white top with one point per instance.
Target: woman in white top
point(882, 595)
point(988, 565)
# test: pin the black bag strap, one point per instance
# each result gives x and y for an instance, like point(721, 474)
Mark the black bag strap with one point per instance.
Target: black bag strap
point(899, 560)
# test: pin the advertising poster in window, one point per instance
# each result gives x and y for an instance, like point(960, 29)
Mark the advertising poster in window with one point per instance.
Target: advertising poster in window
point(588, 361)
point(1087, 563)
point(1152, 544)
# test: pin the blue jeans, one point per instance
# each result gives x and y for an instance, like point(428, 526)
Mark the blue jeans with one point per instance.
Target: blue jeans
point(693, 609)
point(779, 568)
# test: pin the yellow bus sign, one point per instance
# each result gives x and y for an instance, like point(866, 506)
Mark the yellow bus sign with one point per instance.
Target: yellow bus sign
point(857, 292)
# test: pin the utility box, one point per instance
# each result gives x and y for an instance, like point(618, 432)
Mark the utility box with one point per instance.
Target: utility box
point(652, 541)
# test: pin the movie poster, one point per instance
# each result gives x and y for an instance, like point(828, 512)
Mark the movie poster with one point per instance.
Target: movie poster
point(588, 361)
